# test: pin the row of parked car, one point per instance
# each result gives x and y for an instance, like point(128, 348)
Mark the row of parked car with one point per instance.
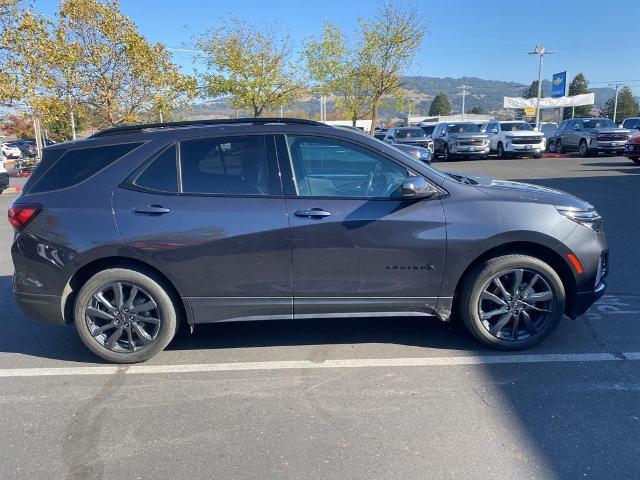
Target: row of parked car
point(587, 136)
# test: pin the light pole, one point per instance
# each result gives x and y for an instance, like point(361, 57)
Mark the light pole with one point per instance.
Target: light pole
point(464, 89)
point(541, 52)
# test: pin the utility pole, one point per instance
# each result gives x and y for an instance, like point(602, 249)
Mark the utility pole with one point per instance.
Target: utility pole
point(464, 89)
point(161, 119)
point(281, 112)
point(615, 103)
point(541, 52)
point(73, 124)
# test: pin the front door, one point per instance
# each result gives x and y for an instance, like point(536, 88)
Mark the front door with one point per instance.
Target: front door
point(209, 214)
point(358, 248)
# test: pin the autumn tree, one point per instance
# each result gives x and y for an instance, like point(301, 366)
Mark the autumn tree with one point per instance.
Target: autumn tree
point(17, 126)
point(627, 105)
point(388, 45)
point(9, 84)
point(334, 65)
point(441, 105)
point(254, 65)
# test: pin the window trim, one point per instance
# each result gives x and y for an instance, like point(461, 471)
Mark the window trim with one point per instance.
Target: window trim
point(286, 165)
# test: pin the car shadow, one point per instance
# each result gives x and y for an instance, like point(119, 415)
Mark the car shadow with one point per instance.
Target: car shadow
point(19, 334)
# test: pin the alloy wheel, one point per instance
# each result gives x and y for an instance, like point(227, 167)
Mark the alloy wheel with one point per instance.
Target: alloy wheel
point(123, 317)
point(583, 149)
point(516, 304)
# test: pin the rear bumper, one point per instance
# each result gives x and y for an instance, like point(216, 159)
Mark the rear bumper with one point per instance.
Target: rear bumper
point(45, 308)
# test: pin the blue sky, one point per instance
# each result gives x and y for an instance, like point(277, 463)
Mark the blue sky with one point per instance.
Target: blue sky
point(487, 39)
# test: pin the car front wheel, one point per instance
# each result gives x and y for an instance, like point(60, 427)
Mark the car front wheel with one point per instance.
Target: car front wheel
point(511, 302)
point(124, 315)
point(583, 149)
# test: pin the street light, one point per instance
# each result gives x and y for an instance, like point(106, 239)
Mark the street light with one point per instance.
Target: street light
point(541, 52)
point(464, 89)
point(615, 102)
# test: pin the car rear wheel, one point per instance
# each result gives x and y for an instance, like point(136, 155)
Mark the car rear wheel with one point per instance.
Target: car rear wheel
point(583, 149)
point(511, 302)
point(124, 315)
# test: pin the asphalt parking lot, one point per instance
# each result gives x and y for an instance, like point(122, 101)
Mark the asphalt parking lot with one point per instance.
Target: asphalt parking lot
point(365, 398)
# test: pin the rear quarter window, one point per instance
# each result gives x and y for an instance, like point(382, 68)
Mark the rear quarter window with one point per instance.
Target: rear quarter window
point(77, 165)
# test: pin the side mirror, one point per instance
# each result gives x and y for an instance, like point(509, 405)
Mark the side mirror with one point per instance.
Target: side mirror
point(443, 134)
point(577, 127)
point(417, 187)
point(494, 130)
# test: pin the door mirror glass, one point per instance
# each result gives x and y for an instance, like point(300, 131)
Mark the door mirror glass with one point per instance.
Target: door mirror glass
point(494, 130)
point(417, 187)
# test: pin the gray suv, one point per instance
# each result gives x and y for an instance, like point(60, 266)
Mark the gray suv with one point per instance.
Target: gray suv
point(138, 229)
point(463, 139)
point(588, 136)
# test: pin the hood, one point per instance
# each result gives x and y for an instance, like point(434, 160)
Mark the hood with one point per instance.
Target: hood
point(525, 133)
point(468, 135)
point(414, 140)
point(524, 192)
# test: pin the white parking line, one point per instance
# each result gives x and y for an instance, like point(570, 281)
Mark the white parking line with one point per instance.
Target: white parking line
point(308, 365)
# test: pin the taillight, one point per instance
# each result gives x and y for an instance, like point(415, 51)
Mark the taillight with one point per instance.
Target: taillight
point(21, 214)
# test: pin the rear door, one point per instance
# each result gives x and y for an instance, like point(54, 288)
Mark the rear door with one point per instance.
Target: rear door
point(209, 214)
point(357, 246)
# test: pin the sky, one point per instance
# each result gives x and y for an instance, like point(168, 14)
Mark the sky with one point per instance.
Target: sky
point(487, 39)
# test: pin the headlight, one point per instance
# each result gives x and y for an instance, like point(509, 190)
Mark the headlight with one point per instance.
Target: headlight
point(588, 217)
point(415, 153)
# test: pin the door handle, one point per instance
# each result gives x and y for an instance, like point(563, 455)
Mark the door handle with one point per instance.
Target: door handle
point(312, 213)
point(152, 210)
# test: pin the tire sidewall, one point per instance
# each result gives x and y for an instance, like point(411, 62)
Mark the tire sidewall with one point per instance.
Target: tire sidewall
point(152, 286)
point(472, 288)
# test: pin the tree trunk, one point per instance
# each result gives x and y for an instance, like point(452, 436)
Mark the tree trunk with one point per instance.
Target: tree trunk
point(354, 119)
point(374, 113)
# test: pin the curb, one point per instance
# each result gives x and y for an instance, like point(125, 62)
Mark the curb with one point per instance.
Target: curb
point(557, 155)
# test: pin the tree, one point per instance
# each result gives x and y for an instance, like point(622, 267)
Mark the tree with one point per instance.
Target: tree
point(578, 86)
point(441, 105)
point(532, 91)
point(9, 85)
point(255, 66)
point(388, 45)
point(477, 110)
point(91, 56)
point(335, 67)
point(17, 126)
point(627, 105)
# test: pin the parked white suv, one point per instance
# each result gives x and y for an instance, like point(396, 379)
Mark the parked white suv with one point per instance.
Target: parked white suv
point(8, 150)
point(514, 138)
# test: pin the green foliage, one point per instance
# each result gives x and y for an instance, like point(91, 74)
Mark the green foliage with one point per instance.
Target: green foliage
point(627, 105)
point(334, 66)
point(532, 91)
point(477, 111)
point(441, 105)
point(256, 67)
point(578, 86)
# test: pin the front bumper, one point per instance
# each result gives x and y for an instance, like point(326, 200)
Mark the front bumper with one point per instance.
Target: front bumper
point(464, 150)
point(632, 150)
point(584, 300)
point(526, 149)
point(612, 146)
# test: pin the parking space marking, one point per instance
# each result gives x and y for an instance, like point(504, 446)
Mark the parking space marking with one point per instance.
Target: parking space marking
point(309, 365)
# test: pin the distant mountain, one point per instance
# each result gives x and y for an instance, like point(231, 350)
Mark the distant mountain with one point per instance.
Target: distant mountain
point(486, 94)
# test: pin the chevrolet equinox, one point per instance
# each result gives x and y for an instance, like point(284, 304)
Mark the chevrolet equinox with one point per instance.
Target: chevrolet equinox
point(139, 228)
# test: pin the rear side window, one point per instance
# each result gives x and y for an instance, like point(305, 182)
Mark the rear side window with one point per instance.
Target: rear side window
point(79, 164)
point(161, 174)
point(234, 165)
point(49, 158)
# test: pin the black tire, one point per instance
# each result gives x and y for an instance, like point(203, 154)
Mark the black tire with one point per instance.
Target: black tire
point(636, 160)
point(478, 279)
point(583, 148)
point(551, 146)
point(500, 151)
point(166, 312)
point(446, 155)
point(559, 146)
point(537, 155)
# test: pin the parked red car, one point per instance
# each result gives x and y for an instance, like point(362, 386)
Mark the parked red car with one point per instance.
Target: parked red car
point(632, 149)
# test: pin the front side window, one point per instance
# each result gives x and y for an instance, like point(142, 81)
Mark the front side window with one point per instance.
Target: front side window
point(463, 128)
point(410, 133)
point(234, 165)
point(325, 167)
point(599, 123)
point(515, 126)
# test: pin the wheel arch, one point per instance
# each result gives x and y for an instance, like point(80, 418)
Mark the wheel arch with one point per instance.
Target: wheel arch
point(85, 272)
point(544, 253)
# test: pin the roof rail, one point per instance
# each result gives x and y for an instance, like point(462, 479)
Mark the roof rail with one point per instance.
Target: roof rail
point(195, 123)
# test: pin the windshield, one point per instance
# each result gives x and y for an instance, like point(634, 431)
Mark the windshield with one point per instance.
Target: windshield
point(515, 126)
point(599, 123)
point(410, 133)
point(463, 128)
